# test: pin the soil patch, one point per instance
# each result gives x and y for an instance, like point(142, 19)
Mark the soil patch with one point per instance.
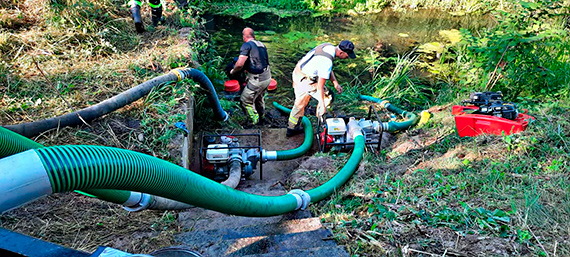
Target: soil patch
point(85, 223)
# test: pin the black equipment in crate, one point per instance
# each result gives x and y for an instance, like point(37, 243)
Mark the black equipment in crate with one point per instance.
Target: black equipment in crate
point(483, 98)
point(499, 109)
point(218, 151)
point(334, 134)
point(491, 103)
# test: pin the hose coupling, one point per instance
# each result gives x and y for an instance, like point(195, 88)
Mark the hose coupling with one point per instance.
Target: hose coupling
point(385, 126)
point(236, 157)
point(268, 155)
point(303, 198)
point(142, 202)
point(179, 73)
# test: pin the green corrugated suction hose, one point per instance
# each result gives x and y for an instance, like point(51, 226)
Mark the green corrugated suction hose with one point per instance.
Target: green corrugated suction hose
point(342, 176)
point(96, 167)
point(12, 143)
point(109, 195)
point(392, 126)
point(307, 143)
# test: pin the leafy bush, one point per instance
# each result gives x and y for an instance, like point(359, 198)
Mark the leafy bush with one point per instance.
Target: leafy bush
point(525, 54)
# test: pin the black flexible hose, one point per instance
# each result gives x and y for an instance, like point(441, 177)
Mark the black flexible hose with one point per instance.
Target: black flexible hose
point(88, 114)
point(206, 84)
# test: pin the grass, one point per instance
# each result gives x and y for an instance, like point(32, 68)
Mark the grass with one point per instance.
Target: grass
point(62, 56)
point(443, 192)
point(81, 52)
point(85, 223)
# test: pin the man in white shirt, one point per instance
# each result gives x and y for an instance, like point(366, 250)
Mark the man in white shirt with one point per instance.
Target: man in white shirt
point(309, 78)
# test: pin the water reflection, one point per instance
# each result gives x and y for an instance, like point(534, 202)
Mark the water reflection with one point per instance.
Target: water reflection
point(288, 39)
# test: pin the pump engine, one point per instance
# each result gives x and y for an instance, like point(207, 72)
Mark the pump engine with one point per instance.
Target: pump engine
point(336, 134)
point(490, 103)
point(222, 155)
point(483, 98)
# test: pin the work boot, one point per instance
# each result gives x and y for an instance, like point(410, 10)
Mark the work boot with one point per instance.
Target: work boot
point(156, 15)
point(136, 11)
point(292, 132)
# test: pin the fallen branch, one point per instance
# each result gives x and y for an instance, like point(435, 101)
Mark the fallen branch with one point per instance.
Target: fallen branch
point(58, 93)
point(539, 243)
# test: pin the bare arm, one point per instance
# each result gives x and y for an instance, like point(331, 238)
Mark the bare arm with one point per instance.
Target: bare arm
point(321, 108)
point(335, 83)
point(239, 64)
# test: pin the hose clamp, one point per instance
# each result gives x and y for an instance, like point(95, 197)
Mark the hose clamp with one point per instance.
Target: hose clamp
point(303, 198)
point(142, 204)
point(178, 74)
point(236, 157)
point(384, 104)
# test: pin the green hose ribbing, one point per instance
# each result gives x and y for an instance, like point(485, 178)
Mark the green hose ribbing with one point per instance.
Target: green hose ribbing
point(307, 143)
point(96, 167)
point(392, 126)
point(100, 170)
point(109, 195)
point(326, 189)
point(13, 143)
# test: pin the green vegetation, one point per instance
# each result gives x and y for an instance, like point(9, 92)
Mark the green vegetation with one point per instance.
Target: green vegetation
point(436, 193)
point(479, 191)
point(285, 8)
point(525, 53)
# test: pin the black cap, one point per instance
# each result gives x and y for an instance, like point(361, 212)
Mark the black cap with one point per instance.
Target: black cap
point(347, 47)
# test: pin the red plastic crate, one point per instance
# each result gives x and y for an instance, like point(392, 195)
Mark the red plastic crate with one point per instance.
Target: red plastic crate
point(470, 125)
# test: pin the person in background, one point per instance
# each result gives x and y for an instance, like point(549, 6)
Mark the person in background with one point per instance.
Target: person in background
point(309, 78)
point(253, 59)
point(155, 10)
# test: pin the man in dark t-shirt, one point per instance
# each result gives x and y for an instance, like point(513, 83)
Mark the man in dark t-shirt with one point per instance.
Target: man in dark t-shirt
point(155, 10)
point(253, 58)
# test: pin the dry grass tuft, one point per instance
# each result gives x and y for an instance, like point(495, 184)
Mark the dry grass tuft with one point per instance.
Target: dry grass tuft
point(89, 52)
point(85, 223)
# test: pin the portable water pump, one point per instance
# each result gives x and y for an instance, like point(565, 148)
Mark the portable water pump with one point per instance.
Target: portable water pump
point(483, 98)
point(491, 103)
point(486, 113)
point(335, 134)
point(224, 151)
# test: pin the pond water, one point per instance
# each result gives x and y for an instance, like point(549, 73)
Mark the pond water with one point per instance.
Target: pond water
point(288, 39)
